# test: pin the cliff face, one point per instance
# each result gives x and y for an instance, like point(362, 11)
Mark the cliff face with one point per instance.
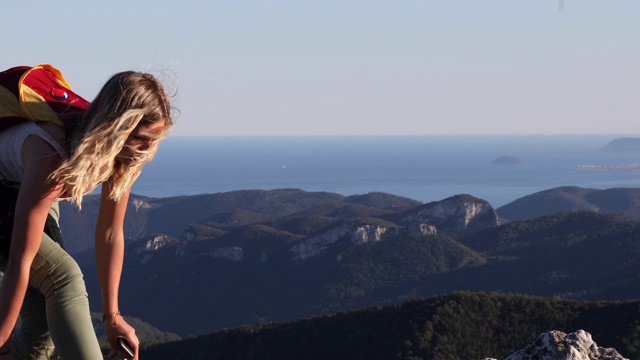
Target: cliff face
point(556, 345)
point(353, 234)
point(458, 212)
point(316, 245)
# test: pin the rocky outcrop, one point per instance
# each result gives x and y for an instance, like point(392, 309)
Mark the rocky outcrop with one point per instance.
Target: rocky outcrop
point(422, 229)
point(318, 244)
point(556, 345)
point(457, 212)
point(367, 233)
point(155, 243)
point(356, 235)
point(140, 204)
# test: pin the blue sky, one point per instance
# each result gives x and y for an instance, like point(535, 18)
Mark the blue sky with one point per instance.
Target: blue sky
point(353, 67)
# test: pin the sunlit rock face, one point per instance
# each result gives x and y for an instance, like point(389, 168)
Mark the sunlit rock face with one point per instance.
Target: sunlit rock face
point(318, 244)
point(457, 212)
point(354, 235)
point(556, 345)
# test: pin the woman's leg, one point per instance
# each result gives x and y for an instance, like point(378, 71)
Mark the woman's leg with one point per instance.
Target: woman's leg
point(32, 333)
point(56, 309)
point(57, 278)
point(34, 338)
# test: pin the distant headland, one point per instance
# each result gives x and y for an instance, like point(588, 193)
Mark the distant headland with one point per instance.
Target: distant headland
point(623, 144)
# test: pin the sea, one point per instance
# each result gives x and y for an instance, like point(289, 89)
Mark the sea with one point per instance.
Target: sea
point(423, 168)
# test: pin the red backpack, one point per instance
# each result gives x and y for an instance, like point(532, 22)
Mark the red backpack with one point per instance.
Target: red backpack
point(38, 93)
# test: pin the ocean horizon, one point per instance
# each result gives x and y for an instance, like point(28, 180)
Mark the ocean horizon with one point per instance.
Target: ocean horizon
point(423, 168)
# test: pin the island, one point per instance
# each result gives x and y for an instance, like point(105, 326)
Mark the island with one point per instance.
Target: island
point(507, 160)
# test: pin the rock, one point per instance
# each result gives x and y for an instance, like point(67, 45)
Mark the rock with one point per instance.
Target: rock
point(318, 244)
point(140, 204)
point(355, 235)
point(422, 229)
point(556, 345)
point(151, 244)
point(155, 243)
point(457, 212)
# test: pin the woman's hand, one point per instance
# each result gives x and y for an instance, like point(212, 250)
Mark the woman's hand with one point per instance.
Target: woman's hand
point(116, 327)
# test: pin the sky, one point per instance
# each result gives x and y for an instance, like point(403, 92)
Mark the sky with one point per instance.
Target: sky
point(352, 67)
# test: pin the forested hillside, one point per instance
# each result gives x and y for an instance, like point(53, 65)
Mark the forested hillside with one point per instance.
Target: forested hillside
point(464, 326)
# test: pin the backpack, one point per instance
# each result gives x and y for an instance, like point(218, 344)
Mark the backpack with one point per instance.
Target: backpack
point(38, 93)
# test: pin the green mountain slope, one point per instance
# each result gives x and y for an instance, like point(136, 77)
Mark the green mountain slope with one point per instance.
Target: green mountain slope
point(459, 326)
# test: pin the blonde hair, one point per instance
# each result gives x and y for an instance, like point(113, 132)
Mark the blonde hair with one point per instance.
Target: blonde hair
point(128, 99)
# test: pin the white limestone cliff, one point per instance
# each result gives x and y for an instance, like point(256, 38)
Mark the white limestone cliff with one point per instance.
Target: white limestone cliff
point(422, 229)
point(367, 233)
point(456, 212)
point(155, 243)
point(556, 345)
point(316, 245)
point(149, 247)
point(355, 234)
point(140, 204)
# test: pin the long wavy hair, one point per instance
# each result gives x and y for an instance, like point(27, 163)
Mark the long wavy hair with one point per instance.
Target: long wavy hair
point(128, 99)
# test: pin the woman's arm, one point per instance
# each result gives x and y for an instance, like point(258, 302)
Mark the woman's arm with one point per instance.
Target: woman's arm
point(36, 195)
point(109, 261)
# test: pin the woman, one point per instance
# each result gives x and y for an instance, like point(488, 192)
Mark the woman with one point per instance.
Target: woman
point(43, 286)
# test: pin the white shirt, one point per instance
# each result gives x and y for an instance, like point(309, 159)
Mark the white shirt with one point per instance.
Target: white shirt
point(11, 141)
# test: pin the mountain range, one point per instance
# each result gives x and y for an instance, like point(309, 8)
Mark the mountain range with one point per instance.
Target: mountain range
point(199, 264)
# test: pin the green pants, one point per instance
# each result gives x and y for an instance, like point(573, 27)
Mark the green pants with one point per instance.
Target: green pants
point(55, 313)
